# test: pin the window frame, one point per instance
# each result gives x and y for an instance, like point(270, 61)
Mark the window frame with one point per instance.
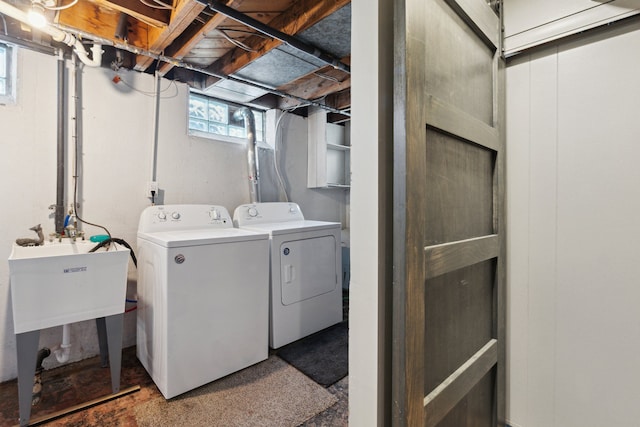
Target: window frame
point(11, 54)
point(227, 122)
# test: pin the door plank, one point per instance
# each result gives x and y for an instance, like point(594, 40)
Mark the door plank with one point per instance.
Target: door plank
point(451, 120)
point(443, 398)
point(448, 215)
point(446, 257)
point(480, 17)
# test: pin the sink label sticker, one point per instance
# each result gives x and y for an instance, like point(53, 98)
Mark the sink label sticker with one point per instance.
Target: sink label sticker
point(74, 270)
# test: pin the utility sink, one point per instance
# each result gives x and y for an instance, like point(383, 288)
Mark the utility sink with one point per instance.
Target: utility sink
point(61, 282)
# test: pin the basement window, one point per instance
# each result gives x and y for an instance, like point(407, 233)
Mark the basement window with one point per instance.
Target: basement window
point(7, 74)
point(213, 118)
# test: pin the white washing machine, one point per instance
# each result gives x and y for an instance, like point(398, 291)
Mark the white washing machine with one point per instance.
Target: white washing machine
point(306, 269)
point(203, 289)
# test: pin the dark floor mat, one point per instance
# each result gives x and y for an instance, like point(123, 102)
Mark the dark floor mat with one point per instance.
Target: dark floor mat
point(323, 356)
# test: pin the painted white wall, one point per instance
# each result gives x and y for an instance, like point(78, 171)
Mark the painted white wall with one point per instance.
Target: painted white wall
point(116, 166)
point(371, 124)
point(573, 198)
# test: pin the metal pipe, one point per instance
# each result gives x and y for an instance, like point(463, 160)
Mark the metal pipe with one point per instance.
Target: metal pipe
point(327, 58)
point(252, 157)
point(59, 217)
point(79, 138)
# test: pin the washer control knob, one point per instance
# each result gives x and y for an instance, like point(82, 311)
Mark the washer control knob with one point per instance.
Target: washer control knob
point(253, 212)
point(175, 215)
point(292, 209)
point(214, 214)
point(162, 216)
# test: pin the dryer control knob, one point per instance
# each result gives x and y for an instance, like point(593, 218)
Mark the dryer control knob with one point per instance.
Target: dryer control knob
point(162, 216)
point(253, 212)
point(175, 215)
point(214, 214)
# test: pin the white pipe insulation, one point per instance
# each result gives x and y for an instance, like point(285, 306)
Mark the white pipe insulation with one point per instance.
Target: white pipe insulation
point(57, 35)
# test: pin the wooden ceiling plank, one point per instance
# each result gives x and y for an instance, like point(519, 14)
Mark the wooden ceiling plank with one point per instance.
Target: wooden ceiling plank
point(186, 11)
point(142, 12)
point(317, 84)
point(194, 38)
point(97, 19)
point(340, 100)
point(294, 20)
point(311, 88)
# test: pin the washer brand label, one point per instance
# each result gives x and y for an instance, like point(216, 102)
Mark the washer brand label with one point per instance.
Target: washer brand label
point(74, 270)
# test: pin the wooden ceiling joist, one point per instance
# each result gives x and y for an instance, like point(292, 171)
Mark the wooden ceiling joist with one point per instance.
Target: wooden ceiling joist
point(191, 39)
point(159, 38)
point(316, 85)
point(294, 20)
point(142, 12)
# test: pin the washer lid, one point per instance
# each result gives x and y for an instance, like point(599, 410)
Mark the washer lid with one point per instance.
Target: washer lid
point(278, 228)
point(181, 238)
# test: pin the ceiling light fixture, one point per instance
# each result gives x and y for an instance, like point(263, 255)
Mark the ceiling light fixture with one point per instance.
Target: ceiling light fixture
point(36, 14)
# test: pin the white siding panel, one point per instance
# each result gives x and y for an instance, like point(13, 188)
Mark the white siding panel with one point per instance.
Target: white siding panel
point(572, 141)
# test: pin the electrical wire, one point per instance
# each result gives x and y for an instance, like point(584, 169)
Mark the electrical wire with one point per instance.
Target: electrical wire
point(133, 258)
point(235, 42)
point(63, 7)
point(157, 5)
point(161, 3)
point(150, 94)
point(120, 242)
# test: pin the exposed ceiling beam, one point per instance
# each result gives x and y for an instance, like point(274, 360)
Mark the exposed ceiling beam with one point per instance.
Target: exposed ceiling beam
point(102, 21)
point(316, 85)
point(159, 38)
point(268, 31)
point(191, 38)
point(296, 19)
point(339, 100)
point(137, 9)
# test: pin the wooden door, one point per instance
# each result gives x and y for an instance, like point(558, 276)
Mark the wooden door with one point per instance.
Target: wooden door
point(449, 267)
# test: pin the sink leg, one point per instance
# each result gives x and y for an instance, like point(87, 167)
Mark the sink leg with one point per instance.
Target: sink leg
point(102, 341)
point(27, 346)
point(114, 339)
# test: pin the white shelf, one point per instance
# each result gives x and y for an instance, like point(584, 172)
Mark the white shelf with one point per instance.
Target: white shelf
point(338, 147)
point(329, 152)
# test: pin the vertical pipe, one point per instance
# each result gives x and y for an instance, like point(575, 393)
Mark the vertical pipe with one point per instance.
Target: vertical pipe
point(77, 96)
point(252, 157)
point(156, 125)
point(59, 219)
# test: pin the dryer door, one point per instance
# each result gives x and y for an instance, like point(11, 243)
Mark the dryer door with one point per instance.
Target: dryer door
point(307, 268)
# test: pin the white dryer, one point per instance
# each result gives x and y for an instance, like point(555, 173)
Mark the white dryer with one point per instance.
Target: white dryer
point(203, 289)
point(306, 270)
